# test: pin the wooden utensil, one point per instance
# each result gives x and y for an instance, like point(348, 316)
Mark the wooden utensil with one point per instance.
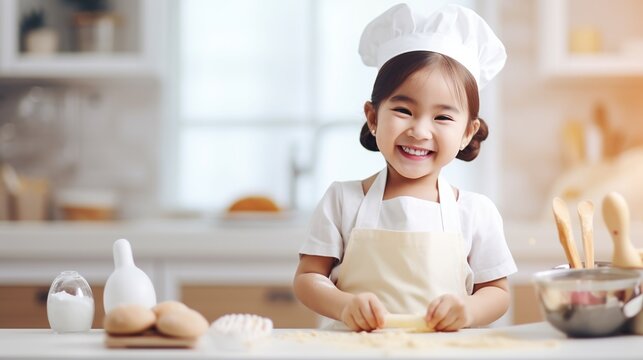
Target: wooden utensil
point(406, 321)
point(586, 215)
point(565, 235)
point(617, 219)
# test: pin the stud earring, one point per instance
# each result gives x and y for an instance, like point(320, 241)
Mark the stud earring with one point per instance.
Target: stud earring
point(373, 132)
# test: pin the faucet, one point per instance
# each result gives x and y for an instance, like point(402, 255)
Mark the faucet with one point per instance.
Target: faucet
point(297, 169)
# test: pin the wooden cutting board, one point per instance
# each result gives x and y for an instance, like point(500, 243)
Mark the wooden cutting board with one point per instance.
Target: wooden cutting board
point(149, 340)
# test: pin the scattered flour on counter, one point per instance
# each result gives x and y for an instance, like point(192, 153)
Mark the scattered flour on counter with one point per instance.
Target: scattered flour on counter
point(400, 340)
point(69, 313)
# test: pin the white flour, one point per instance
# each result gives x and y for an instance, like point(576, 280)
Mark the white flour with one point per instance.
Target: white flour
point(69, 313)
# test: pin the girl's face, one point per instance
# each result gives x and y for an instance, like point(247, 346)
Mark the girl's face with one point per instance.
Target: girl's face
point(421, 127)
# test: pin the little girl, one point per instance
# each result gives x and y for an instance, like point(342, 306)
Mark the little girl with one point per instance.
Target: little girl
point(403, 241)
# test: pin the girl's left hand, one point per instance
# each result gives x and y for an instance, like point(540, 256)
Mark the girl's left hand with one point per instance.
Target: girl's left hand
point(448, 313)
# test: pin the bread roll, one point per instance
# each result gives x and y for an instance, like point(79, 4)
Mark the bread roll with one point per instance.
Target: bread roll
point(254, 203)
point(166, 306)
point(128, 319)
point(183, 323)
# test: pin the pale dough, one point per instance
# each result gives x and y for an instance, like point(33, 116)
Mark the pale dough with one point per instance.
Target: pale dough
point(400, 340)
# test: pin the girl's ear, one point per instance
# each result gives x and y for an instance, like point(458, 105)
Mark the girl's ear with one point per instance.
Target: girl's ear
point(371, 115)
point(472, 129)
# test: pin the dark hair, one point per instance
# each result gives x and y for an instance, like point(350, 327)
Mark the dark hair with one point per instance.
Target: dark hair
point(395, 71)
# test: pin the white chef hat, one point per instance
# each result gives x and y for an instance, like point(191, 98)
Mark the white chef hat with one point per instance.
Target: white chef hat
point(454, 31)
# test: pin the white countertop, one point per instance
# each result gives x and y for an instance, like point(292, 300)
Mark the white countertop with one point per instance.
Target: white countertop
point(44, 344)
point(530, 242)
point(151, 239)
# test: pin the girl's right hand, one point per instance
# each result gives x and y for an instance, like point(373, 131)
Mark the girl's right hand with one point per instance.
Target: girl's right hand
point(364, 312)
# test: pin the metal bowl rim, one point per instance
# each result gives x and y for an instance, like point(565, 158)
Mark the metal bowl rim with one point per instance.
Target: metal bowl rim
point(551, 279)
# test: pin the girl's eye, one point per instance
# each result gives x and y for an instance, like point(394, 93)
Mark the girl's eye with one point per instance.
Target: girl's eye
point(403, 111)
point(443, 117)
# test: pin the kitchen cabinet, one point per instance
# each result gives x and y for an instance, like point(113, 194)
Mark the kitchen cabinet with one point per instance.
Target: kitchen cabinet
point(276, 302)
point(525, 305)
point(124, 41)
point(25, 306)
point(261, 286)
point(601, 38)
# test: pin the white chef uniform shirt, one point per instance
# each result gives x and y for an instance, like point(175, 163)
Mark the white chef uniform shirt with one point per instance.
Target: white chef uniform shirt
point(482, 230)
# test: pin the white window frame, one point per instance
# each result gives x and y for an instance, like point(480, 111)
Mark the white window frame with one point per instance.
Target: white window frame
point(487, 165)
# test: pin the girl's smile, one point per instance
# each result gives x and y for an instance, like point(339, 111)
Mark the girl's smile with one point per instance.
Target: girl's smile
point(415, 153)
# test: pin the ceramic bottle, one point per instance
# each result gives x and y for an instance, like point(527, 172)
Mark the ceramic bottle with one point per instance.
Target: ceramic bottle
point(127, 284)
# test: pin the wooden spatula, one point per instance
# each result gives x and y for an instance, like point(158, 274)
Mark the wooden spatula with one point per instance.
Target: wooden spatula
point(565, 235)
point(616, 214)
point(406, 321)
point(586, 214)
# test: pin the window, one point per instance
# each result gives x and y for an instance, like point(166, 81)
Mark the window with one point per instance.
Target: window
point(265, 88)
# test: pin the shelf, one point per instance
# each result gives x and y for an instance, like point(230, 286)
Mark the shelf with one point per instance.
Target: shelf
point(557, 19)
point(600, 65)
point(134, 47)
point(79, 65)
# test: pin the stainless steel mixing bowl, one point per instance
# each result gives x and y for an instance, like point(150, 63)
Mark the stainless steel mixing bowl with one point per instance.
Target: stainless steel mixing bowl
point(589, 302)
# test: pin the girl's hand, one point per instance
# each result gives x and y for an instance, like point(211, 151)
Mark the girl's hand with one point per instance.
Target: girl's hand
point(448, 313)
point(364, 312)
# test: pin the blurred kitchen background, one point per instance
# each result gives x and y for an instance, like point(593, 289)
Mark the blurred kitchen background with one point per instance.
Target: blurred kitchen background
point(161, 108)
point(166, 112)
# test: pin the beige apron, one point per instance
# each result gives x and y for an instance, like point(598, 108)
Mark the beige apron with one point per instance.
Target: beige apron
point(405, 269)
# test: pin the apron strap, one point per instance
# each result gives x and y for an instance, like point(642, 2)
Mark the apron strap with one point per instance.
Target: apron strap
point(448, 207)
point(369, 211)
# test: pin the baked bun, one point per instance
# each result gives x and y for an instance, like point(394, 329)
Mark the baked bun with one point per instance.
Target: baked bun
point(165, 306)
point(254, 203)
point(127, 319)
point(182, 323)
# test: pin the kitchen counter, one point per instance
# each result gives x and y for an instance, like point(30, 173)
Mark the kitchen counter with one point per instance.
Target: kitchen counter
point(37, 251)
point(210, 239)
point(44, 344)
point(168, 239)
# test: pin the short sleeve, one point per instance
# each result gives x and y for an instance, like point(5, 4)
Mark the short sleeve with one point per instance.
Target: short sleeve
point(490, 258)
point(325, 237)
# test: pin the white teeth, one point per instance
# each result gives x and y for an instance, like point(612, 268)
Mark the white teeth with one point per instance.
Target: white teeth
point(415, 152)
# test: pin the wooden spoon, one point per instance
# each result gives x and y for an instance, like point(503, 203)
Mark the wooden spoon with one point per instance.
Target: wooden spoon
point(617, 219)
point(565, 235)
point(586, 215)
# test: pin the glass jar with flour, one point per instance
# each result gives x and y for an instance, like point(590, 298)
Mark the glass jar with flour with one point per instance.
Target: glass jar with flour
point(70, 303)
